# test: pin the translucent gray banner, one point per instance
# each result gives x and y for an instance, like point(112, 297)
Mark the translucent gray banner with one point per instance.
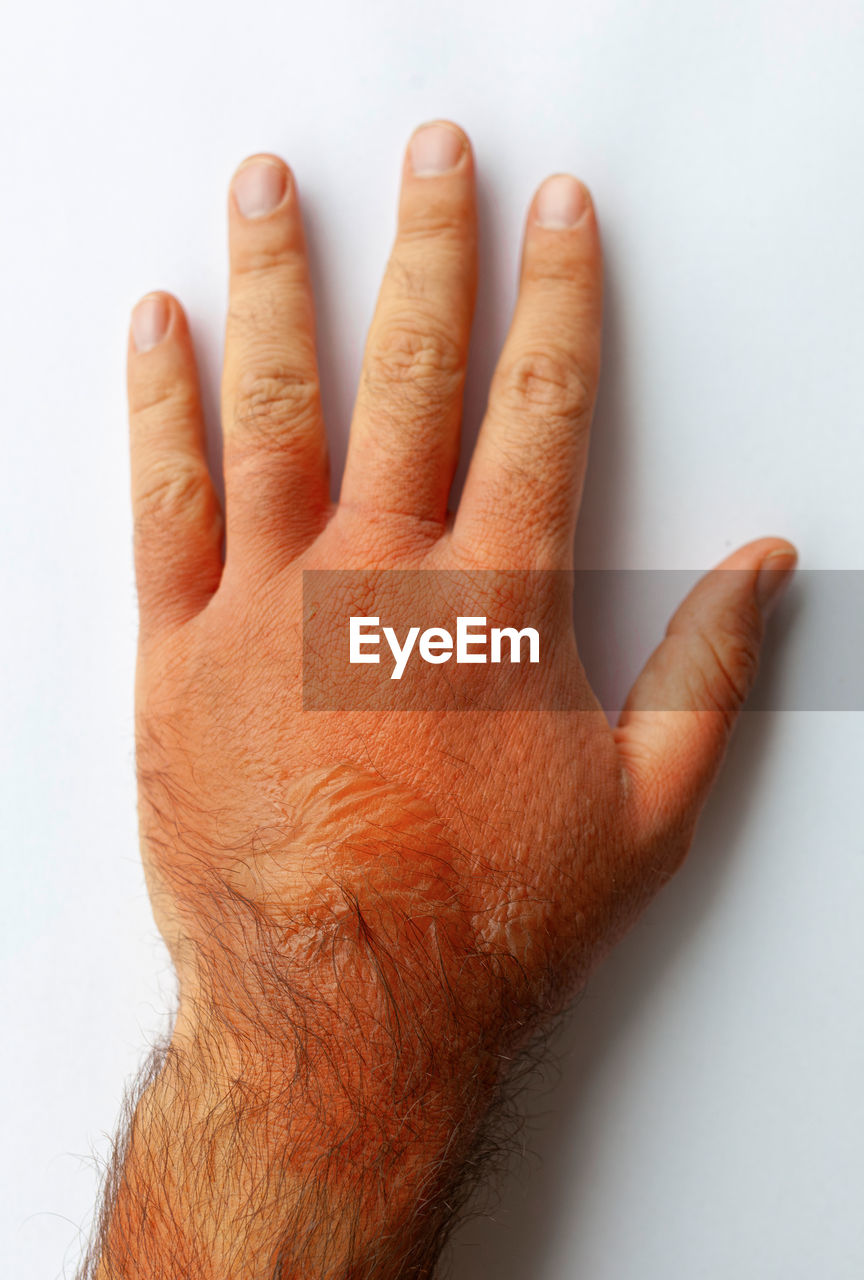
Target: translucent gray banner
point(393, 639)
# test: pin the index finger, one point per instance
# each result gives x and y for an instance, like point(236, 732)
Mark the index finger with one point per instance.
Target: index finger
point(521, 496)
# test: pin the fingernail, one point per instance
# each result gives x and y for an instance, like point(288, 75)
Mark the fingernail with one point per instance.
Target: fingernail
point(774, 574)
point(435, 148)
point(259, 187)
point(150, 320)
point(561, 202)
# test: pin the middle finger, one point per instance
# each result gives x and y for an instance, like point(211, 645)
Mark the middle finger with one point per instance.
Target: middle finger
point(404, 440)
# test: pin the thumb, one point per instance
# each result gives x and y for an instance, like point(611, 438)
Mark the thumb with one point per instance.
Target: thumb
point(673, 730)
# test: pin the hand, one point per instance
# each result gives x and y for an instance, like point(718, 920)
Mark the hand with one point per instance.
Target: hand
point(371, 910)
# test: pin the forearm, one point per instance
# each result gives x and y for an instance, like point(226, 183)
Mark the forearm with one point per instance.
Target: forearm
point(313, 1116)
point(335, 1055)
point(277, 1172)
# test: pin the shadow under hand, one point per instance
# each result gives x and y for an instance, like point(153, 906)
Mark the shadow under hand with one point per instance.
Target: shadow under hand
point(521, 1238)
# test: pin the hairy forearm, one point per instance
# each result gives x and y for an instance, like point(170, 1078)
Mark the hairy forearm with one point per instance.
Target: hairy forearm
point(319, 1110)
point(277, 1171)
point(323, 1106)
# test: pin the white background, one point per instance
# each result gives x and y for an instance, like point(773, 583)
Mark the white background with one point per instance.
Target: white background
point(707, 1117)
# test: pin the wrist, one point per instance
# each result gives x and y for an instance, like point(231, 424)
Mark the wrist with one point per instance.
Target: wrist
point(246, 1159)
point(330, 1071)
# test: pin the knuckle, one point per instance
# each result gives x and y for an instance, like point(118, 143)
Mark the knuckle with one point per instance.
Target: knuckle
point(273, 256)
point(733, 660)
point(163, 399)
point(170, 487)
point(549, 382)
point(407, 352)
point(267, 402)
point(553, 272)
point(441, 224)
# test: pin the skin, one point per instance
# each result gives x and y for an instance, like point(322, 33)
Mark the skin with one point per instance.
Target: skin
point(371, 916)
